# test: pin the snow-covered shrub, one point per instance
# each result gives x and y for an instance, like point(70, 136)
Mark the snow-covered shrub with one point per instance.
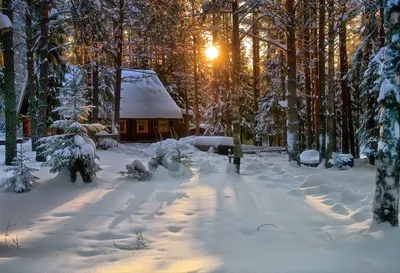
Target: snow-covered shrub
point(340, 160)
point(182, 158)
point(22, 177)
point(107, 143)
point(73, 149)
point(160, 159)
point(136, 171)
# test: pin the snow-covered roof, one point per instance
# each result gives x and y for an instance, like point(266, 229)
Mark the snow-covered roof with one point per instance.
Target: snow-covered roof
point(143, 96)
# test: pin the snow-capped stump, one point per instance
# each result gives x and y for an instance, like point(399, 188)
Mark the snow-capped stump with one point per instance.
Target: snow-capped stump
point(310, 158)
point(136, 171)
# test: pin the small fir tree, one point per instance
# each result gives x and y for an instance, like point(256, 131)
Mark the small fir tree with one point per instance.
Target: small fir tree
point(22, 177)
point(73, 148)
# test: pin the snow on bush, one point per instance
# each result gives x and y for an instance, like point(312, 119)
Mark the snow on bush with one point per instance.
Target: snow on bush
point(137, 171)
point(22, 177)
point(107, 143)
point(182, 158)
point(340, 160)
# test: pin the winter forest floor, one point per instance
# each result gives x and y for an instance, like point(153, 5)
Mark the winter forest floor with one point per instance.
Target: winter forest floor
point(316, 220)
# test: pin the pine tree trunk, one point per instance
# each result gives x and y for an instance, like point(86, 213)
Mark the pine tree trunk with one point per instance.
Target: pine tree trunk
point(292, 116)
point(321, 78)
point(118, 80)
point(9, 88)
point(256, 75)
point(331, 126)
point(44, 76)
point(237, 152)
point(386, 201)
point(31, 87)
point(317, 100)
point(307, 74)
point(346, 100)
point(196, 86)
point(95, 81)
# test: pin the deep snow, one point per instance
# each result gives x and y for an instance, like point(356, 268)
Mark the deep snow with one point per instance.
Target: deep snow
point(274, 217)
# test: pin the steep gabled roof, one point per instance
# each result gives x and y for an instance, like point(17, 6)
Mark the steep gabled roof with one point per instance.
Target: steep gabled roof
point(143, 96)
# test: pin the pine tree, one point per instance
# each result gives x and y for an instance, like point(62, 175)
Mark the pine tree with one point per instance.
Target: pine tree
point(73, 149)
point(386, 202)
point(22, 177)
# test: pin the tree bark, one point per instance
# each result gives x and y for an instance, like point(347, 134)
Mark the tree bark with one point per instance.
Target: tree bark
point(307, 75)
point(346, 101)
point(118, 79)
point(9, 87)
point(386, 202)
point(292, 116)
point(321, 79)
point(237, 152)
point(95, 91)
point(317, 99)
point(30, 63)
point(331, 126)
point(256, 75)
point(196, 86)
point(44, 76)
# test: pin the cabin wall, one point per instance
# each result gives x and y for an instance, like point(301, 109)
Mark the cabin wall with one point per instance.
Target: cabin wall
point(131, 134)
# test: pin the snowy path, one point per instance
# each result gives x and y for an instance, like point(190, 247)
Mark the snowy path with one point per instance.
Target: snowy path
point(204, 224)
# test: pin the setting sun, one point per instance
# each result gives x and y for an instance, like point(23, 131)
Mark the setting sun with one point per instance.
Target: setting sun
point(212, 52)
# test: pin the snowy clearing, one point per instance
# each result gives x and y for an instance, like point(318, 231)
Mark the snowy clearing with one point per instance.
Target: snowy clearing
point(275, 217)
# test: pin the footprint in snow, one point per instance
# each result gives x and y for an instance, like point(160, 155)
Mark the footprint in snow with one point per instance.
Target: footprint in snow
point(174, 229)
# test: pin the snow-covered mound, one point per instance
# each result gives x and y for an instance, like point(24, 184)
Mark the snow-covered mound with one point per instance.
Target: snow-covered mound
point(169, 145)
point(214, 141)
point(309, 157)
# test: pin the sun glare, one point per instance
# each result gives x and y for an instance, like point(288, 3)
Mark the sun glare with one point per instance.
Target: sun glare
point(212, 52)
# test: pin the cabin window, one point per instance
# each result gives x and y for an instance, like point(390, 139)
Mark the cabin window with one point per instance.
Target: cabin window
point(122, 126)
point(142, 126)
point(163, 126)
point(181, 121)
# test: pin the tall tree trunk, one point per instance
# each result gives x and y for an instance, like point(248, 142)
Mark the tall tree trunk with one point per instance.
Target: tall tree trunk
point(331, 126)
point(321, 78)
point(386, 202)
point(292, 115)
point(344, 68)
point(317, 99)
point(30, 63)
point(44, 76)
point(196, 86)
point(9, 87)
point(237, 152)
point(95, 92)
point(118, 79)
point(256, 75)
point(307, 74)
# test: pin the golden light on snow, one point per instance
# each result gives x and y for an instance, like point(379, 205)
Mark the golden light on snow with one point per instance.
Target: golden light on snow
point(212, 52)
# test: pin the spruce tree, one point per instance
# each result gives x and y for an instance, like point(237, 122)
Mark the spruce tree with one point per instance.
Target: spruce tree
point(386, 201)
point(73, 149)
point(22, 177)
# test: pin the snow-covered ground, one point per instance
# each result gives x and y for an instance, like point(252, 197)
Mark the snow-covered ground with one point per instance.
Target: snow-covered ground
point(274, 217)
